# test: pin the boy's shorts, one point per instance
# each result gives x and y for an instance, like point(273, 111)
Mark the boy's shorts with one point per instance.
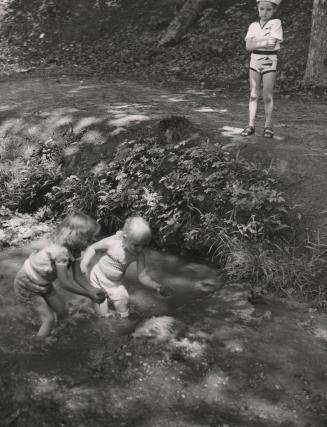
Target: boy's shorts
point(115, 290)
point(263, 64)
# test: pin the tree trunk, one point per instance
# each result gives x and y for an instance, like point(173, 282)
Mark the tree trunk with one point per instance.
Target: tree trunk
point(316, 69)
point(186, 16)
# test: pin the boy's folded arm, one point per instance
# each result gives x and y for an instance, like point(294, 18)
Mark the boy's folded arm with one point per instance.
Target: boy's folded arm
point(256, 43)
point(277, 31)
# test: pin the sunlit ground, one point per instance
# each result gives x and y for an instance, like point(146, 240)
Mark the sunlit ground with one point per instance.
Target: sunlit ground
point(204, 357)
point(64, 105)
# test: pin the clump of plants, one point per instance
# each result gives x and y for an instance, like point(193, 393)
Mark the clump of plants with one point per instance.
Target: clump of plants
point(194, 196)
point(280, 269)
point(200, 200)
point(18, 228)
point(25, 183)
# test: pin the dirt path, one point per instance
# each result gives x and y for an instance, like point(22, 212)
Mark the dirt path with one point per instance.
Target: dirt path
point(98, 114)
point(207, 357)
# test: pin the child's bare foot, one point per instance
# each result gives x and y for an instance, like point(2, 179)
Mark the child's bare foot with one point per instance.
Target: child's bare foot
point(110, 314)
point(165, 291)
point(249, 130)
point(38, 343)
point(62, 325)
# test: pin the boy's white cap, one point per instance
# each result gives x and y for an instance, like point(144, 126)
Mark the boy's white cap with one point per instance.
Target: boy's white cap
point(276, 2)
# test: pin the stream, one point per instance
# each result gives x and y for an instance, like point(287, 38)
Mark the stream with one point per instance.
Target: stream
point(204, 356)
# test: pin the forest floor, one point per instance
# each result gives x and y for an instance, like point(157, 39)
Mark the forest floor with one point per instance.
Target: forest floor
point(206, 356)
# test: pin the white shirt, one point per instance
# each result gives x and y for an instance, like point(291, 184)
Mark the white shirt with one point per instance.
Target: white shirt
point(272, 28)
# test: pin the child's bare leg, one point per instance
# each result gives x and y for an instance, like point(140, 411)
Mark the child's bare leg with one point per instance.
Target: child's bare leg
point(255, 80)
point(120, 299)
point(102, 309)
point(267, 92)
point(121, 307)
point(56, 302)
point(46, 316)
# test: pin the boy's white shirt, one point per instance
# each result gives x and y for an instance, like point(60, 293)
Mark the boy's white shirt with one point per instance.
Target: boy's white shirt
point(272, 29)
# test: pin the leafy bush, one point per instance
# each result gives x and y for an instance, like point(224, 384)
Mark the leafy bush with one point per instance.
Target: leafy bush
point(16, 228)
point(193, 196)
point(197, 198)
point(25, 188)
point(26, 192)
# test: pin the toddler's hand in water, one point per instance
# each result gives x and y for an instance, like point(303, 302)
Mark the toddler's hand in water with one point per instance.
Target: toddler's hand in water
point(164, 291)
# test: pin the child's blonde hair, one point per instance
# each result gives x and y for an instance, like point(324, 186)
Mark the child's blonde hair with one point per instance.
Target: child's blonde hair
point(76, 231)
point(137, 228)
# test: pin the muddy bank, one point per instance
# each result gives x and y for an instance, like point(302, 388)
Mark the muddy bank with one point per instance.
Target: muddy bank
point(205, 357)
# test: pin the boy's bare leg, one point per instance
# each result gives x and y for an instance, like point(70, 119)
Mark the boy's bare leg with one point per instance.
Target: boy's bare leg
point(268, 80)
point(255, 81)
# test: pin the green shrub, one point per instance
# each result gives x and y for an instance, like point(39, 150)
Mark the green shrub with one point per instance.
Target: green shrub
point(26, 192)
point(25, 184)
point(193, 196)
point(199, 199)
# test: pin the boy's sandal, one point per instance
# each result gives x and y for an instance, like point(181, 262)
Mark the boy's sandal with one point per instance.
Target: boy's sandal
point(268, 133)
point(248, 131)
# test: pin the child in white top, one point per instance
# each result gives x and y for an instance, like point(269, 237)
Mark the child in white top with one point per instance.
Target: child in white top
point(123, 248)
point(263, 41)
point(33, 283)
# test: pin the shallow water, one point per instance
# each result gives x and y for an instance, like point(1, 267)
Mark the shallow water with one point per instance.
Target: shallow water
point(204, 356)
